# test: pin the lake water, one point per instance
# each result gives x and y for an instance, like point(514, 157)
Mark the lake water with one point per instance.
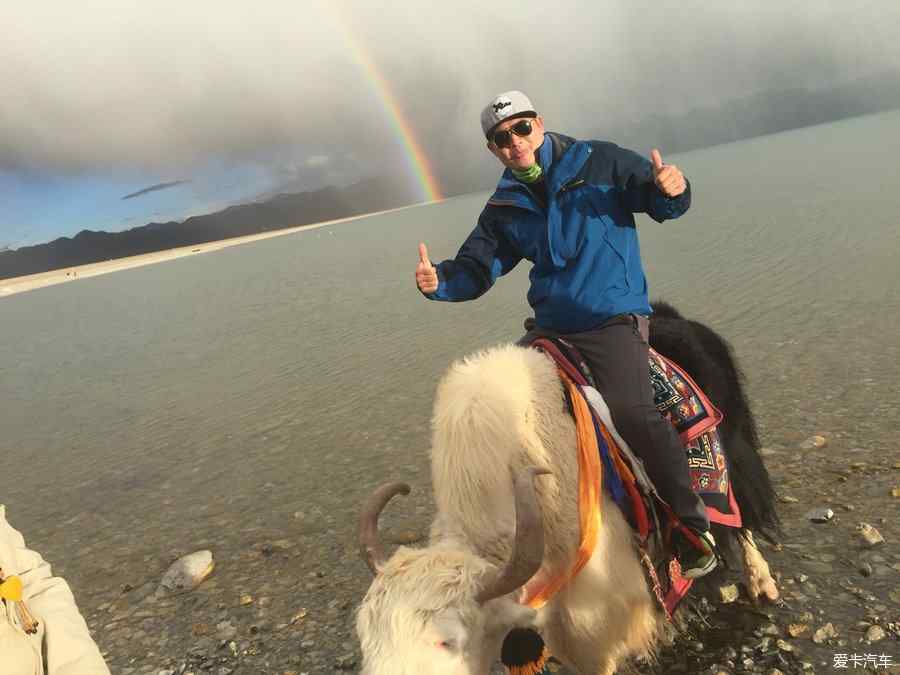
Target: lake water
point(261, 391)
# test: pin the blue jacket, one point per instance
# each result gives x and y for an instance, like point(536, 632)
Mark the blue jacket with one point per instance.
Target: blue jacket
point(583, 242)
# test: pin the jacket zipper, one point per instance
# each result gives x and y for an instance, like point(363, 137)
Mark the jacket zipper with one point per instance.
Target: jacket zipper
point(512, 202)
point(570, 185)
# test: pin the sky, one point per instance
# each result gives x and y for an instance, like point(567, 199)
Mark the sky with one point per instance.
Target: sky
point(119, 113)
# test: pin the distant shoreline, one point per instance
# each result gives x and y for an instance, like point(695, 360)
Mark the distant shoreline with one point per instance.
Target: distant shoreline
point(62, 275)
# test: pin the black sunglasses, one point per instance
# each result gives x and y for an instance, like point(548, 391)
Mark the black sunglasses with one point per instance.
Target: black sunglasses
point(503, 139)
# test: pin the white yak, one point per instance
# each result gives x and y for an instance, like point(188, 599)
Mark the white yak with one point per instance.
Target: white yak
point(505, 473)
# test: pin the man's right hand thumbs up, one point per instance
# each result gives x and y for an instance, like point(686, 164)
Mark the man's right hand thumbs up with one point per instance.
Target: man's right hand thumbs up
point(426, 274)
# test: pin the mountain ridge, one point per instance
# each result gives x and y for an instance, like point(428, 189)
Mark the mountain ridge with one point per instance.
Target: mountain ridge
point(278, 212)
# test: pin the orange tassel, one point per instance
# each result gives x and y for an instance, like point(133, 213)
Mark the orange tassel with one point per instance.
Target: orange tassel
point(533, 668)
point(590, 481)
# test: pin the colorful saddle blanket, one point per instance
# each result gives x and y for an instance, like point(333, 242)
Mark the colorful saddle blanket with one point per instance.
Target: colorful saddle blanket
point(683, 403)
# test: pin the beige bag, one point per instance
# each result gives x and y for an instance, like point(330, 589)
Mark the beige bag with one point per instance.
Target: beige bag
point(18, 653)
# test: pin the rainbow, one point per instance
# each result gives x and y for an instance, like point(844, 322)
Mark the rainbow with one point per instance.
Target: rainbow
point(418, 162)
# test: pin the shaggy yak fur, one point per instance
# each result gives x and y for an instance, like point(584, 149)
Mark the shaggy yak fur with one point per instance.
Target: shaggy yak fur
point(497, 413)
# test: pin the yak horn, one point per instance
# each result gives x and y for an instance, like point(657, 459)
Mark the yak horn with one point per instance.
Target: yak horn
point(369, 547)
point(528, 547)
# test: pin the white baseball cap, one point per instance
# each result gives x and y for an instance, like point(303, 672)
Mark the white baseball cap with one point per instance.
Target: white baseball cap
point(502, 107)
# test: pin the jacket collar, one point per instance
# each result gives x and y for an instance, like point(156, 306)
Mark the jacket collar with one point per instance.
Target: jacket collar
point(561, 157)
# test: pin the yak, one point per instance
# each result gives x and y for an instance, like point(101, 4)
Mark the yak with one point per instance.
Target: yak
point(505, 474)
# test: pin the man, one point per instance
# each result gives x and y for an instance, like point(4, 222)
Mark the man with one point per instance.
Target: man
point(567, 206)
point(41, 629)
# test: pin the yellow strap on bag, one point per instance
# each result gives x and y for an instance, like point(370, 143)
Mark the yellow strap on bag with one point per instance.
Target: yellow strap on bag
point(11, 589)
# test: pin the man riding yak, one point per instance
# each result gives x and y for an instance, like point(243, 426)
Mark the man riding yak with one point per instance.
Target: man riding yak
point(568, 207)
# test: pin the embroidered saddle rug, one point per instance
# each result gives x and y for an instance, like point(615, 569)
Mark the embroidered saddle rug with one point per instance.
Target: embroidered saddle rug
point(681, 401)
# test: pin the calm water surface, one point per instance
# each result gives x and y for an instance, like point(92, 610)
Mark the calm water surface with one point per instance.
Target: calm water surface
point(205, 400)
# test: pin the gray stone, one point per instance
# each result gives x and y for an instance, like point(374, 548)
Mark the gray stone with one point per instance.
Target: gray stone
point(814, 442)
point(824, 633)
point(870, 535)
point(188, 572)
point(728, 594)
point(225, 630)
point(820, 515)
point(345, 662)
point(875, 633)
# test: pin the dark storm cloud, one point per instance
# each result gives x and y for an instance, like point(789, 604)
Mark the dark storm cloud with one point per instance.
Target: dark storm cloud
point(154, 188)
point(141, 88)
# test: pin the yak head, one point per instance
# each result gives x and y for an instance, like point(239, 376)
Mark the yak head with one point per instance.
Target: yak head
point(443, 610)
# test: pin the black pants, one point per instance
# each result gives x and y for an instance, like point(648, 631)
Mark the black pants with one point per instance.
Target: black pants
point(617, 354)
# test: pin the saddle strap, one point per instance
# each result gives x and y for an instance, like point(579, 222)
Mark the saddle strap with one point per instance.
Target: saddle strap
point(652, 578)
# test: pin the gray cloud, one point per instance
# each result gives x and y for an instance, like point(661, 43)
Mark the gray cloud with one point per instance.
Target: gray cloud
point(154, 188)
point(170, 85)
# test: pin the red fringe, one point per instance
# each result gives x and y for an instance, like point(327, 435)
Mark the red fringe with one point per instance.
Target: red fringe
point(533, 668)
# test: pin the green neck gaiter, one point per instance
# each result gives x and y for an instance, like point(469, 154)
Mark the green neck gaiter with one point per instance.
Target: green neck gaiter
point(530, 175)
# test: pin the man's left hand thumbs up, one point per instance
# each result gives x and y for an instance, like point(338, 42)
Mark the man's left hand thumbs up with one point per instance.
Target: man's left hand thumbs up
point(668, 177)
point(426, 274)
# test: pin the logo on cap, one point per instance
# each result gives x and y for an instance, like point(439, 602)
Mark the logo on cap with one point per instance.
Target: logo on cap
point(501, 104)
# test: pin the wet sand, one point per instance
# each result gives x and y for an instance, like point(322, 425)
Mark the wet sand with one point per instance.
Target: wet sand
point(63, 275)
point(283, 598)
